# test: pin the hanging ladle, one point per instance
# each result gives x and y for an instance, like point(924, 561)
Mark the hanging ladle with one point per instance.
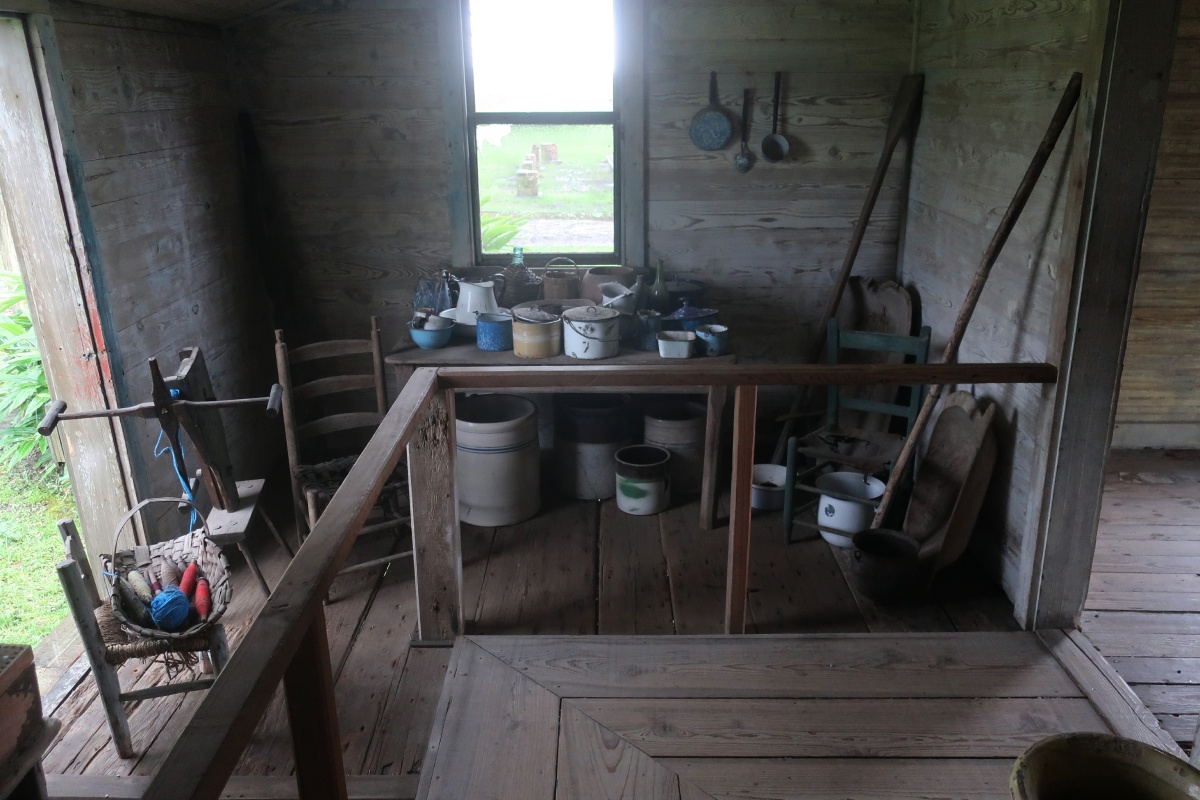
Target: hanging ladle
point(775, 147)
point(744, 160)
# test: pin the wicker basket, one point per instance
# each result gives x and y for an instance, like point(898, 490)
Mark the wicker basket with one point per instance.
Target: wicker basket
point(195, 546)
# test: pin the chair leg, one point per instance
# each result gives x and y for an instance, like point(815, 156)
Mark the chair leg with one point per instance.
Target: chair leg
point(107, 682)
point(789, 491)
point(275, 531)
point(250, 562)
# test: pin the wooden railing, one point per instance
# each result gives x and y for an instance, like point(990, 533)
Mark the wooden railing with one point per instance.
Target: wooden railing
point(287, 640)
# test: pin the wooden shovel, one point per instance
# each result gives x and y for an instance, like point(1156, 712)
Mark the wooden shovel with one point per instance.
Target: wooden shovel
point(1065, 106)
point(908, 100)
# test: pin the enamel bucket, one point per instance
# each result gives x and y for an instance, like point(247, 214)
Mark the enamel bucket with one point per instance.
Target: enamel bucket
point(591, 332)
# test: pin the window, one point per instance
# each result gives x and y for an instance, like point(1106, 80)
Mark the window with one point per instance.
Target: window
point(542, 123)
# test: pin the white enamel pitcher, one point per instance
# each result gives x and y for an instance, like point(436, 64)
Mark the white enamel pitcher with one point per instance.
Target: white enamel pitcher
point(475, 298)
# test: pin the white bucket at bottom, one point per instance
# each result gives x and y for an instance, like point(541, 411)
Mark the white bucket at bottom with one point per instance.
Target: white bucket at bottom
point(497, 459)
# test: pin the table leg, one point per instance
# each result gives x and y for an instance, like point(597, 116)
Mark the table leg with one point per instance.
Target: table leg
point(737, 576)
point(712, 456)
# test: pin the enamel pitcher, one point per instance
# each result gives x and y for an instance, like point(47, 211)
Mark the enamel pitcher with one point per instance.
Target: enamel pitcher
point(477, 297)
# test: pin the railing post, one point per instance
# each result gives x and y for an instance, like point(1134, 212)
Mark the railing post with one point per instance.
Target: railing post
point(437, 550)
point(316, 741)
point(737, 574)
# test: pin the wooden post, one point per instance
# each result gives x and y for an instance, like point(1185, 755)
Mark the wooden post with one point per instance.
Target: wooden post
point(1131, 98)
point(437, 550)
point(737, 573)
point(73, 543)
point(712, 455)
point(308, 685)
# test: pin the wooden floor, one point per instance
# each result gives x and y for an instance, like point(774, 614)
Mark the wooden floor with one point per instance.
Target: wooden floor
point(1143, 607)
point(819, 716)
point(578, 568)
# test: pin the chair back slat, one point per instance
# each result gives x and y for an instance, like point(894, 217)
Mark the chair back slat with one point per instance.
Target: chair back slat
point(334, 384)
point(329, 349)
point(338, 423)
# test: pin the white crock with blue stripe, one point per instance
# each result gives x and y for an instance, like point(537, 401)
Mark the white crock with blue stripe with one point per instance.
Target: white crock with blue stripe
point(497, 459)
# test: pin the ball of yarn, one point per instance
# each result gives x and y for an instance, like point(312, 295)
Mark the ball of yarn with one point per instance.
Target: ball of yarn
point(170, 609)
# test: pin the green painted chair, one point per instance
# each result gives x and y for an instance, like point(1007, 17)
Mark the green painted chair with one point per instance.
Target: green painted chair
point(871, 451)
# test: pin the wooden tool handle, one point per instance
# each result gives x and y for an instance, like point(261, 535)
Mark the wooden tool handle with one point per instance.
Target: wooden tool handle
point(1065, 106)
point(50, 421)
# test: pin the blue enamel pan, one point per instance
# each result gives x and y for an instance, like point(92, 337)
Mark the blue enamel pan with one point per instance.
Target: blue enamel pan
point(711, 127)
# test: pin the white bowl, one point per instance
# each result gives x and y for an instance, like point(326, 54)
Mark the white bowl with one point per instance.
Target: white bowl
point(840, 519)
point(766, 488)
point(676, 344)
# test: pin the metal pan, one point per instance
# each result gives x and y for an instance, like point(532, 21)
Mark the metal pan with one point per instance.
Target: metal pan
point(775, 147)
point(711, 128)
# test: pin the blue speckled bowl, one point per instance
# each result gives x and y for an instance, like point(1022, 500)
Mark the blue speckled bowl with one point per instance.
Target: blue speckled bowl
point(431, 339)
point(494, 332)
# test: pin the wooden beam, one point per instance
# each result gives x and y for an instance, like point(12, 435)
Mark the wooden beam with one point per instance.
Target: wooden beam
point(24, 7)
point(1130, 101)
point(437, 549)
point(1111, 696)
point(633, 377)
point(453, 64)
point(631, 25)
point(205, 753)
point(737, 570)
point(239, 787)
point(312, 716)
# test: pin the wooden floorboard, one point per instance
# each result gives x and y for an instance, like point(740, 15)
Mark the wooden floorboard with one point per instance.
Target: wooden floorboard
point(688, 718)
point(864, 666)
point(633, 587)
point(836, 779)
point(839, 728)
point(1142, 611)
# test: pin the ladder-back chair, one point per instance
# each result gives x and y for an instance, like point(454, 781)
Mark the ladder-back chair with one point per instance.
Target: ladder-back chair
point(871, 451)
point(334, 397)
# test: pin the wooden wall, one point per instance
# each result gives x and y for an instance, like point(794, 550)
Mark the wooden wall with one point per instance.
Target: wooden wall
point(770, 241)
point(155, 124)
point(346, 102)
point(1160, 380)
point(994, 74)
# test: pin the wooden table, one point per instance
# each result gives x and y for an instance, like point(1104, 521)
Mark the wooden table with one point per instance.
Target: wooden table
point(828, 716)
point(468, 355)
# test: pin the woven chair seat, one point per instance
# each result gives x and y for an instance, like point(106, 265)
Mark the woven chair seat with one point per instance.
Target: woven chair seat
point(319, 482)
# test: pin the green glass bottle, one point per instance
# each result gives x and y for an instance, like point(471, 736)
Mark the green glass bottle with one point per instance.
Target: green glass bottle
point(659, 299)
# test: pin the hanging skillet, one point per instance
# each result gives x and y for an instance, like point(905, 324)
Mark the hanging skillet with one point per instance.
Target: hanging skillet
point(775, 146)
point(711, 128)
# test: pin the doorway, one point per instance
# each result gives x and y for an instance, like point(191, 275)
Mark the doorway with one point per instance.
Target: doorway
point(44, 245)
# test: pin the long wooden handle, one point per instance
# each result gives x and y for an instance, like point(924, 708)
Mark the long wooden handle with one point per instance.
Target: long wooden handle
point(1065, 106)
point(908, 100)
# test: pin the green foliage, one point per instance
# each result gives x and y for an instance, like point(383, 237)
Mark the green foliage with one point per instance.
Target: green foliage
point(497, 230)
point(23, 389)
point(31, 601)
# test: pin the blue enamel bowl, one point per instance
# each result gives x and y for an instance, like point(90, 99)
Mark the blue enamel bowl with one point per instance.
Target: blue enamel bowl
point(427, 339)
point(494, 332)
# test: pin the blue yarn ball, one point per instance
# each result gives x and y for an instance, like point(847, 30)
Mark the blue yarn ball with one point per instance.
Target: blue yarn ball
point(169, 610)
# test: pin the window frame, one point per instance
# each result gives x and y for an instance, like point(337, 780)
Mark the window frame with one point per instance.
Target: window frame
point(628, 123)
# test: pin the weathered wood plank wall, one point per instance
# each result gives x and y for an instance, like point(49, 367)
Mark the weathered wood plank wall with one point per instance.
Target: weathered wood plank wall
point(770, 241)
point(1161, 375)
point(993, 77)
point(346, 102)
point(155, 121)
